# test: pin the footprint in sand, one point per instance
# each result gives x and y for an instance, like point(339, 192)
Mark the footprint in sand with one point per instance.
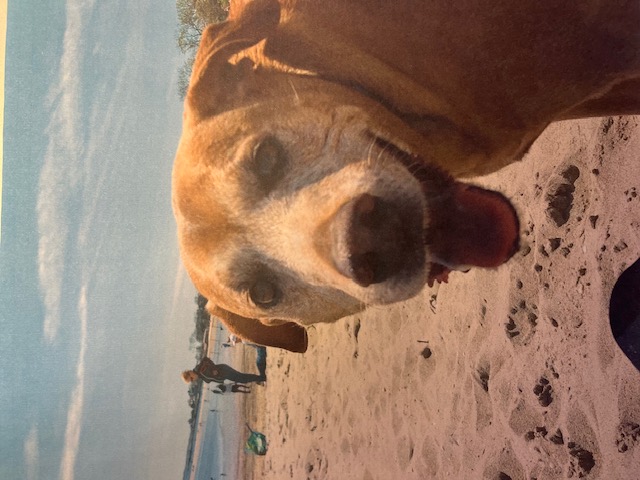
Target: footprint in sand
point(557, 437)
point(548, 249)
point(543, 433)
point(560, 197)
point(581, 443)
point(316, 465)
point(631, 194)
point(544, 392)
point(405, 450)
point(483, 404)
point(522, 323)
point(483, 376)
point(581, 461)
point(628, 436)
point(538, 432)
point(356, 332)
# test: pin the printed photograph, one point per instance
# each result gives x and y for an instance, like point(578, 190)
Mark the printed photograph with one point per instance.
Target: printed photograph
point(319, 240)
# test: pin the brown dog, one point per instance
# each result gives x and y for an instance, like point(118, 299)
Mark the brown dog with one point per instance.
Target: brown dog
point(310, 178)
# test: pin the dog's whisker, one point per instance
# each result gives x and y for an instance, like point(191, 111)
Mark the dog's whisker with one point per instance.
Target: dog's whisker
point(295, 92)
point(370, 153)
point(381, 152)
point(229, 43)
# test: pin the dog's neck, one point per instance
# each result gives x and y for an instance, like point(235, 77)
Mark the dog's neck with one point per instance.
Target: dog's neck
point(336, 59)
point(463, 85)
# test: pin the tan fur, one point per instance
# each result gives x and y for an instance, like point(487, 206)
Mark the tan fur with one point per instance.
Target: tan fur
point(463, 85)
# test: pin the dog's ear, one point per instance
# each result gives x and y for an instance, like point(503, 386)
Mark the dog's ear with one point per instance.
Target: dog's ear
point(287, 335)
point(215, 83)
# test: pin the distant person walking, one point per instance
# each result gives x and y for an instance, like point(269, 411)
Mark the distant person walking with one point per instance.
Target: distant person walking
point(261, 357)
point(209, 371)
point(235, 388)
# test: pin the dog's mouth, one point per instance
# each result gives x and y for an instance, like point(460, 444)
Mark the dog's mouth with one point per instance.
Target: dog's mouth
point(464, 226)
point(468, 227)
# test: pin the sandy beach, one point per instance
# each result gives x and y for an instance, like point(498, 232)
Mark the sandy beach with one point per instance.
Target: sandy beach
point(511, 373)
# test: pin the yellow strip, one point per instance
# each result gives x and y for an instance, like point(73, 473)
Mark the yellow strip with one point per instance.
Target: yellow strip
point(3, 46)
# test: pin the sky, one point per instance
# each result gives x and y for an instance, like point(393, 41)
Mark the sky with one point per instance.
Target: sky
point(95, 309)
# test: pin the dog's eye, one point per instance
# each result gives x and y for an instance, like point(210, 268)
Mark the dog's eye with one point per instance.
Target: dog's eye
point(264, 293)
point(269, 162)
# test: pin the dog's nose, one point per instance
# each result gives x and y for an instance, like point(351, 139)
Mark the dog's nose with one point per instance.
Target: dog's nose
point(374, 239)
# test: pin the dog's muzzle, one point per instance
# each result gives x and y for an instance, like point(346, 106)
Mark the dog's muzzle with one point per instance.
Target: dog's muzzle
point(374, 239)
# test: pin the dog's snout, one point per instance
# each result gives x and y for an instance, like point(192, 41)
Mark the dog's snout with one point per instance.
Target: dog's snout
point(374, 239)
point(365, 243)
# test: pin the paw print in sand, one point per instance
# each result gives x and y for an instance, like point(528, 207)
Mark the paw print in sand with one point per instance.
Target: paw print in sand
point(581, 461)
point(628, 436)
point(523, 320)
point(543, 391)
point(560, 198)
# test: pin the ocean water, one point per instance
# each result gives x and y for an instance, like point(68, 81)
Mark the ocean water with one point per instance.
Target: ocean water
point(220, 442)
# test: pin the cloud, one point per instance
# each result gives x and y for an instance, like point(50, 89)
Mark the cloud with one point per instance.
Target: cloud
point(53, 232)
point(61, 170)
point(31, 454)
point(76, 408)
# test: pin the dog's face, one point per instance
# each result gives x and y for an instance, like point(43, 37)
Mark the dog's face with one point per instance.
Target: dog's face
point(299, 216)
point(301, 201)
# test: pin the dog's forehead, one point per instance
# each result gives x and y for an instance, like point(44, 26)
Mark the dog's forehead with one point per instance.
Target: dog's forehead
point(306, 129)
point(210, 151)
point(233, 125)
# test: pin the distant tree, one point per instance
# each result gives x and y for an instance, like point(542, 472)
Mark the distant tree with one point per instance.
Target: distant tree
point(212, 11)
point(193, 17)
point(201, 301)
point(202, 319)
point(184, 76)
point(190, 26)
